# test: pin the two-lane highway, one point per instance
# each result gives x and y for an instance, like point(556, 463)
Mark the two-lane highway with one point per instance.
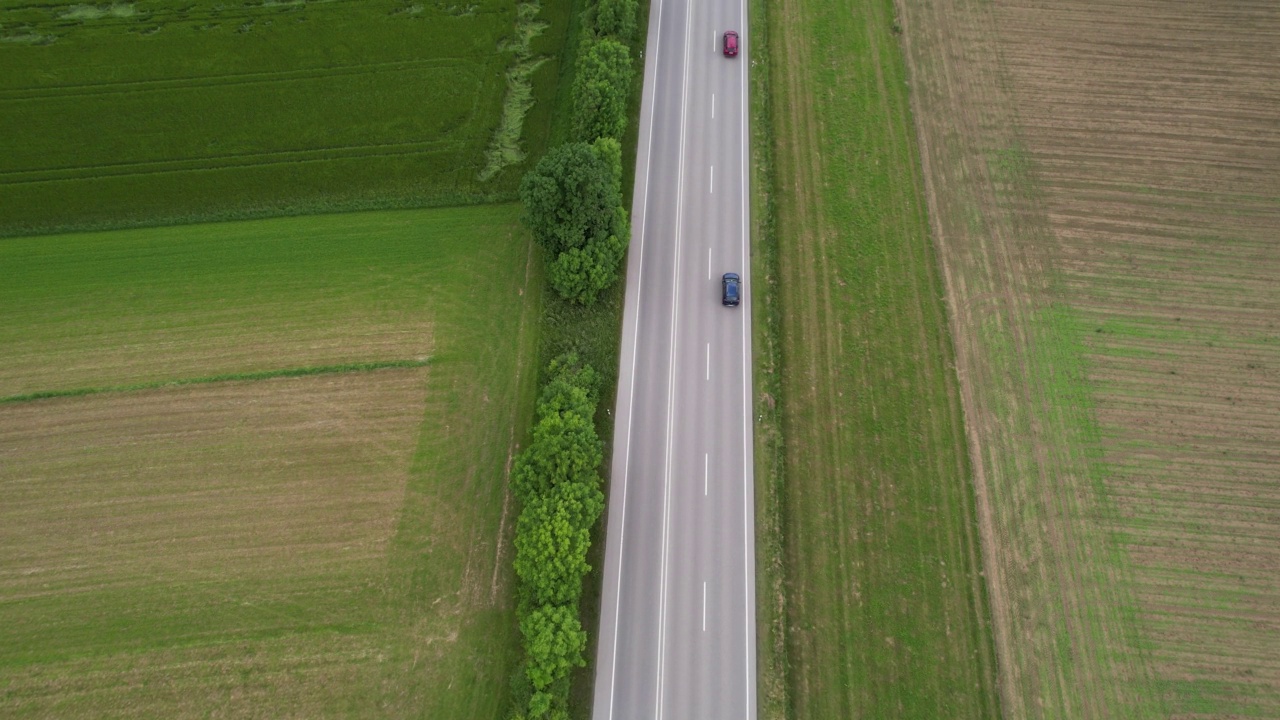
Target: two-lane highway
point(677, 634)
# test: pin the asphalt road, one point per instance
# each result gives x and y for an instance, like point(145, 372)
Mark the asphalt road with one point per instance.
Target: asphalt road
point(677, 631)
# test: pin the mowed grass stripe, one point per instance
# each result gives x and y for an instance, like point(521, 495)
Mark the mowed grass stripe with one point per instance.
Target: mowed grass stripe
point(887, 614)
point(226, 377)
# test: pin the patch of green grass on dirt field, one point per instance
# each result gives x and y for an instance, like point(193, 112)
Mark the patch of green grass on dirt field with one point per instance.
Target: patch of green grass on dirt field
point(162, 304)
point(885, 609)
point(319, 545)
point(156, 112)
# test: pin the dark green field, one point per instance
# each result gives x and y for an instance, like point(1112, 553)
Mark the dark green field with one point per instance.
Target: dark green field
point(160, 112)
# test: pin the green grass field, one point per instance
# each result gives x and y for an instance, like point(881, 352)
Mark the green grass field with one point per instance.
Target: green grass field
point(332, 544)
point(154, 112)
point(873, 605)
point(160, 304)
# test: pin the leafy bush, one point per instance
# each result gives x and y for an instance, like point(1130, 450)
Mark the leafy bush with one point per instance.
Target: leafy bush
point(617, 18)
point(569, 377)
point(554, 641)
point(600, 90)
point(565, 448)
point(553, 535)
point(609, 150)
point(558, 482)
point(579, 274)
point(573, 205)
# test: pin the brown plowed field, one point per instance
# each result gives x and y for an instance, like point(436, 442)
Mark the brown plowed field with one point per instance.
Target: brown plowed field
point(172, 517)
point(1104, 188)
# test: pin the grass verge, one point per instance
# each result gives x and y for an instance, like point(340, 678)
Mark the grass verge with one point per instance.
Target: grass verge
point(771, 594)
point(885, 611)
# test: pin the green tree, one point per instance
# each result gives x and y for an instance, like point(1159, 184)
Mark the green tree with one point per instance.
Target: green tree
point(579, 274)
point(617, 18)
point(562, 395)
point(570, 198)
point(553, 534)
point(554, 641)
point(564, 448)
point(567, 373)
point(609, 150)
point(601, 86)
point(581, 503)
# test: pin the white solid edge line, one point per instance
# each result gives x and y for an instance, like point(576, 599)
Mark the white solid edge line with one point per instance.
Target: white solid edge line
point(631, 392)
point(675, 318)
point(746, 378)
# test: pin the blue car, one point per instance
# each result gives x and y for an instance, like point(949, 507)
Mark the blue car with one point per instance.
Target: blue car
point(732, 289)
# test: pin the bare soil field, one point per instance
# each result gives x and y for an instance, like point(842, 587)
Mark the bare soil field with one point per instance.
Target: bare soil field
point(238, 509)
point(1104, 187)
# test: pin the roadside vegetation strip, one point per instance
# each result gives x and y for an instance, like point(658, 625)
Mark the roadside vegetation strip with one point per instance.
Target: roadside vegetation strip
point(886, 612)
point(400, 112)
point(573, 196)
point(772, 681)
point(557, 482)
point(574, 205)
point(226, 377)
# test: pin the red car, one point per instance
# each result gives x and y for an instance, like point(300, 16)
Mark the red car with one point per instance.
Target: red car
point(730, 44)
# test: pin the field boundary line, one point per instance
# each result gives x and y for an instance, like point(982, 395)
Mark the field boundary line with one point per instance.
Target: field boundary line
point(226, 377)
